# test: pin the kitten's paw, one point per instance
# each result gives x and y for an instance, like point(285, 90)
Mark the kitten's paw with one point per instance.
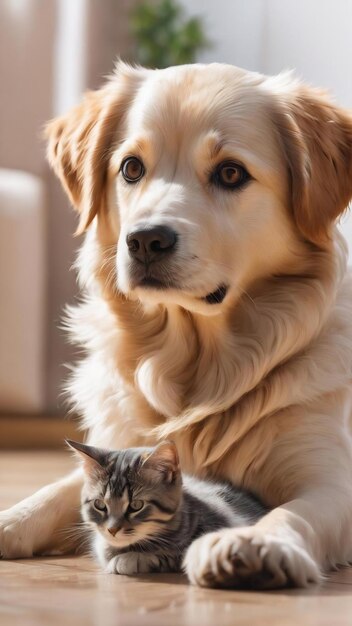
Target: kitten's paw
point(132, 563)
point(248, 557)
point(15, 535)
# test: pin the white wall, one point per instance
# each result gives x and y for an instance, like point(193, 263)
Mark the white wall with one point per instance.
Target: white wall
point(312, 36)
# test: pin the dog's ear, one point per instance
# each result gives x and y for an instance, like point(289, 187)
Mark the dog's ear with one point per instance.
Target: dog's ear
point(317, 140)
point(80, 143)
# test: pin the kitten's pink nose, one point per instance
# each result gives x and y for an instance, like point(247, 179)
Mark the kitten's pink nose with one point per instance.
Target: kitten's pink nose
point(113, 530)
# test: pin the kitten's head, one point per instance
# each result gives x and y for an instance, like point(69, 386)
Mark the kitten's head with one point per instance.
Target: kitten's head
point(130, 495)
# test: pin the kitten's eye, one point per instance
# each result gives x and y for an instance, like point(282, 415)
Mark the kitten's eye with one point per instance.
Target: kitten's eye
point(230, 175)
point(136, 505)
point(132, 169)
point(100, 505)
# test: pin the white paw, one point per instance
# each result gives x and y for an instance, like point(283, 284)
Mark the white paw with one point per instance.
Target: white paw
point(248, 557)
point(132, 563)
point(15, 539)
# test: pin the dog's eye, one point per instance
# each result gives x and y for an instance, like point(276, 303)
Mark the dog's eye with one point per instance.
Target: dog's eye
point(230, 175)
point(136, 505)
point(132, 169)
point(100, 505)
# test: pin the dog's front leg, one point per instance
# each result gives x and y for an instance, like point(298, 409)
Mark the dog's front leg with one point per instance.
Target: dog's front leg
point(39, 524)
point(291, 545)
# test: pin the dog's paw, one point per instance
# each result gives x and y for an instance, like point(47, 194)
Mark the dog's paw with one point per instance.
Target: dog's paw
point(15, 539)
point(250, 558)
point(132, 563)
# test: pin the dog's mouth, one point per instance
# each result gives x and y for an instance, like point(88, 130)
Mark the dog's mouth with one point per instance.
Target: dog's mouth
point(150, 282)
point(216, 297)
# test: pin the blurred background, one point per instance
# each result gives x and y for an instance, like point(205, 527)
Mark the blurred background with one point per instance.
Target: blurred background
point(51, 51)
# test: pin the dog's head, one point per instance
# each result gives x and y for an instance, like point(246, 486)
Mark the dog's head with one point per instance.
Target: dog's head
point(207, 178)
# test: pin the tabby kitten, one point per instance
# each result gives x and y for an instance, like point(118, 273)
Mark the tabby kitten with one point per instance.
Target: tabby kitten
point(145, 513)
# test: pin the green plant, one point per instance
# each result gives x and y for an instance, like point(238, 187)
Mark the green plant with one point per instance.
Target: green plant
point(163, 36)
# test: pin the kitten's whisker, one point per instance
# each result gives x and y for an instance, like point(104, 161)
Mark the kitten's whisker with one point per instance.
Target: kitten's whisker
point(78, 530)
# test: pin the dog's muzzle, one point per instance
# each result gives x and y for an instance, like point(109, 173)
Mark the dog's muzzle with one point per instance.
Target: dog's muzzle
point(151, 244)
point(151, 249)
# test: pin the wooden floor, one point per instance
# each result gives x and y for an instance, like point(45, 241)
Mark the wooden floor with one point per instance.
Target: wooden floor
point(73, 591)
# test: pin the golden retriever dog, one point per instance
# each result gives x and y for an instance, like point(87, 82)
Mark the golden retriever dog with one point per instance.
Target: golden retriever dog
point(217, 309)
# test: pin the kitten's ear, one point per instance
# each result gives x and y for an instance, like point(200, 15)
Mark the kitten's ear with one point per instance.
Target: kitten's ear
point(164, 459)
point(94, 460)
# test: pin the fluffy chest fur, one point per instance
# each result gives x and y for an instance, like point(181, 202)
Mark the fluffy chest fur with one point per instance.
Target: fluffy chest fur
point(220, 387)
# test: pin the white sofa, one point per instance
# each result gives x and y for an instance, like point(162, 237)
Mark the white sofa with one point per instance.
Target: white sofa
point(22, 291)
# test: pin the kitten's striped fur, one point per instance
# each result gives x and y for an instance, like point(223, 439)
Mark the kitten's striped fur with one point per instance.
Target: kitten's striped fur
point(145, 513)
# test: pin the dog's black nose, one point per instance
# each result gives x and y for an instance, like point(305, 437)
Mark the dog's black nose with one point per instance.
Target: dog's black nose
point(151, 244)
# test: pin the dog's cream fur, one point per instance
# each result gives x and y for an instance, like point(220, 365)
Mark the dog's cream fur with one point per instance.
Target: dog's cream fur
point(256, 389)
